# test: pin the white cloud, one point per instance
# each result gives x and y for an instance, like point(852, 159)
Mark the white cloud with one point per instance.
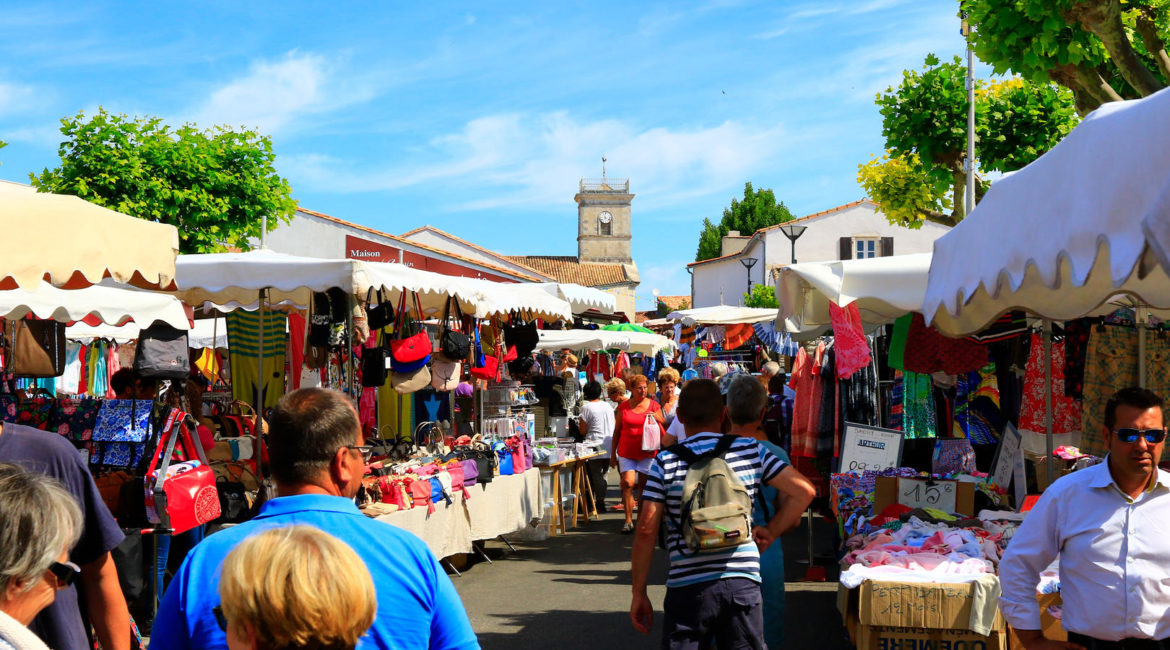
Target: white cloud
point(273, 95)
point(526, 160)
point(22, 98)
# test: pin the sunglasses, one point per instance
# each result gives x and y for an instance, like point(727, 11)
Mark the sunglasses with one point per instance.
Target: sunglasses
point(219, 618)
point(1152, 436)
point(66, 573)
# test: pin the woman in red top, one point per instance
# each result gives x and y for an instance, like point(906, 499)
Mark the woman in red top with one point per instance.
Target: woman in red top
point(632, 462)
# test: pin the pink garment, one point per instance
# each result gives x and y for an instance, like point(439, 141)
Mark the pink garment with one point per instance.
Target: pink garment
point(805, 407)
point(621, 363)
point(849, 339)
point(368, 409)
point(113, 364)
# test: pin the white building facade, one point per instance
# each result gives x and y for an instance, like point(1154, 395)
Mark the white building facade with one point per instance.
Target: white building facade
point(850, 231)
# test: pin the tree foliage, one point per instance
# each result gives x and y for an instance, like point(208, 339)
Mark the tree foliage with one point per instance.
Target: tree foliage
point(761, 296)
point(924, 121)
point(215, 186)
point(1101, 50)
point(758, 209)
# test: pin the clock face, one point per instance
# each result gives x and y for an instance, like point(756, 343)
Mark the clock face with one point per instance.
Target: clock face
point(605, 217)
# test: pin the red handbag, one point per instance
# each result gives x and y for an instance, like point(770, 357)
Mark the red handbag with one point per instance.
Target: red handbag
point(415, 347)
point(510, 355)
point(189, 498)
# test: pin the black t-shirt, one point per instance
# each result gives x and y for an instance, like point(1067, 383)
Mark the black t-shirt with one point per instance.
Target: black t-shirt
point(59, 625)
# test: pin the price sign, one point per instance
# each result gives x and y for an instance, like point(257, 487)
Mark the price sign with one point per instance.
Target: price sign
point(924, 493)
point(870, 448)
point(1009, 463)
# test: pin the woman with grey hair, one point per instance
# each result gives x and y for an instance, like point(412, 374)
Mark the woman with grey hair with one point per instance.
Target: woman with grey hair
point(39, 523)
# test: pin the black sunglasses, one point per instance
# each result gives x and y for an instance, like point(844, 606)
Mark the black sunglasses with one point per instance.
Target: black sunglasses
point(1130, 435)
point(219, 618)
point(66, 573)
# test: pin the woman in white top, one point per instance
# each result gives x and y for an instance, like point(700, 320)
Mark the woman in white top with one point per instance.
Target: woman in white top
point(597, 425)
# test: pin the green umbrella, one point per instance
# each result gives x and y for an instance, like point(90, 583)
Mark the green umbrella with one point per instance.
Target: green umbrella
point(627, 327)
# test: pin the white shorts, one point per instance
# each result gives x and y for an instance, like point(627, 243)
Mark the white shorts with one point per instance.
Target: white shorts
point(629, 465)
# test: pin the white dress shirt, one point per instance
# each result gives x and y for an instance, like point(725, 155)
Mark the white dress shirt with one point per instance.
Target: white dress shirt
point(1114, 557)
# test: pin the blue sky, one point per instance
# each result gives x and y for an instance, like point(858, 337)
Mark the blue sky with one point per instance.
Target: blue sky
point(480, 118)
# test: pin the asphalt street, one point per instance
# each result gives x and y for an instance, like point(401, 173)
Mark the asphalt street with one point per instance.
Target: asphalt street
point(573, 591)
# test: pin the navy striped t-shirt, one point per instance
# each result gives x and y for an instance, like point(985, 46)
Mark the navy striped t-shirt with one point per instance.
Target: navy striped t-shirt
point(753, 464)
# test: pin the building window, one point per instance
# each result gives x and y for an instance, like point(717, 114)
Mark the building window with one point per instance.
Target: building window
point(606, 228)
point(864, 247)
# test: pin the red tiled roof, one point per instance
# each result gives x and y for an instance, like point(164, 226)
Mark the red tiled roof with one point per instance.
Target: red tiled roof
point(567, 268)
point(675, 302)
point(514, 272)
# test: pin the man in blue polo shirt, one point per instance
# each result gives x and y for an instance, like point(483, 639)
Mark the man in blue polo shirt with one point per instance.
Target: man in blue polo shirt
point(316, 459)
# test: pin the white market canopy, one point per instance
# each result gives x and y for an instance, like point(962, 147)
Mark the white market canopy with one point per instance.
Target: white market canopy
point(722, 315)
point(233, 280)
point(1086, 221)
point(582, 298)
point(433, 289)
point(650, 343)
point(884, 289)
point(206, 332)
point(69, 242)
point(499, 299)
point(575, 339)
point(95, 304)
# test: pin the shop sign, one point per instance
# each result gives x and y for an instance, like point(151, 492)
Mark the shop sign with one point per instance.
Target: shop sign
point(1009, 464)
point(870, 448)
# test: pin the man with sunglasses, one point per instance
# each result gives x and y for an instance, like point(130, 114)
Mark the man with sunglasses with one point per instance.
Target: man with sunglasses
point(1108, 526)
point(317, 459)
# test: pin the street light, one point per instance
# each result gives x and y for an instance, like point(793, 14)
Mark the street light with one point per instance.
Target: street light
point(793, 233)
point(748, 263)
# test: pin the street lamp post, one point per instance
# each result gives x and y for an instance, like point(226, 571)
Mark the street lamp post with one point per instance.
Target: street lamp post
point(748, 263)
point(793, 233)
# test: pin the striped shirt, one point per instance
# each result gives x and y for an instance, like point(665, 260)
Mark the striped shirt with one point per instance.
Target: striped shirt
point(753, 464)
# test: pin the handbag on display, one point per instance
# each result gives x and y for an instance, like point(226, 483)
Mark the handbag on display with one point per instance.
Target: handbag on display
point(162, 353)
point(34, 412)
point(953, 455)
point(523, 336)
point(374, 371)
point(405, 383)
point(74, 417)
point(37, 348)
point(453, 344)
point(123, 420)
point(411, 345)
point(320, 321)
point(380, 315)
point(486, 367)
point(182, 499)
point(445, 374)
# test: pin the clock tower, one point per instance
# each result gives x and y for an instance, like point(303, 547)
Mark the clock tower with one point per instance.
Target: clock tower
point(603, 220)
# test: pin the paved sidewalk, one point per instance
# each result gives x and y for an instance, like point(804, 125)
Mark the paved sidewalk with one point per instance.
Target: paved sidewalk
point(573, 591)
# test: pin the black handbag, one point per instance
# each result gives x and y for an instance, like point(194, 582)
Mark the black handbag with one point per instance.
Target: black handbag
point(320, 321)
point(374, 372)
point(453, 344)
point(162, 353)
point(380, 315)
point(524, 336)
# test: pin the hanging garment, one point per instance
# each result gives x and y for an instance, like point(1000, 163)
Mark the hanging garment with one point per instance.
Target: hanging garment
point(737, 335)
point(69, 381)
point(897, 391)
point(83, 377)
point(929, 351)
point(1076, 347)
point(686, 335)
point(1007, 326)
point(243, 330)
point(100, 383)
point(1066, 411)
point(918, 419)
point(113, 365)
point(368, 410)
point(621, 363)
point(1111, 365)
point(296, 348)
point(977, 414)
point(829, 417)
point(208, 364)
point(599, 365)
point(898, 338)
point(849, 340)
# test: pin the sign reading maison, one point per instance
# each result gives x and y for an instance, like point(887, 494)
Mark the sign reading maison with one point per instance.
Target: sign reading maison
point(357, 248)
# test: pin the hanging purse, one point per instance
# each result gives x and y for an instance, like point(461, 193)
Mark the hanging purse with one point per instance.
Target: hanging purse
point(488, 367)
point(187, 498)
point(445, 374)
point(37, 348)
point(320, 320)
point(411, 346)
point(162, 353)
point(523, 336)
point(374, 362)
point(380, 315)
point(453, 344)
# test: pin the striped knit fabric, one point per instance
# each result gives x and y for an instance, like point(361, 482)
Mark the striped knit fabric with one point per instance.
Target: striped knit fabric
point(243, 330)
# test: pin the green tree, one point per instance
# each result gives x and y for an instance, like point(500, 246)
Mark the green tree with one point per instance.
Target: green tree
point(758, 209)
point(215, 186)
point(761, 296)
point(924, 121)
point(1101, 50)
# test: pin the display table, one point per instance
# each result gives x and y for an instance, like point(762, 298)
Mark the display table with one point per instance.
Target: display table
point(583, 495)
point(503, 506)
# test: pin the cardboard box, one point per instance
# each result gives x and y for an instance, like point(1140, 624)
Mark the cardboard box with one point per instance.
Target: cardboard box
point(886, 493)
point(915, 616)
point(1051, 627)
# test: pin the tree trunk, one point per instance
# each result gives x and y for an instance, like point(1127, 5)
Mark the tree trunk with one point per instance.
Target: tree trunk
point(1154, 45)
point(960, 193)
point(1103, 19)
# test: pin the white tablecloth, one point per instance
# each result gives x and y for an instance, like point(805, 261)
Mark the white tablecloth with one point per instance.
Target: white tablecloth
point(503, 506)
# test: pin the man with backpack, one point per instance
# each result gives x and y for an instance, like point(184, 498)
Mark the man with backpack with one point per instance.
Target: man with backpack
point(703, 490)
